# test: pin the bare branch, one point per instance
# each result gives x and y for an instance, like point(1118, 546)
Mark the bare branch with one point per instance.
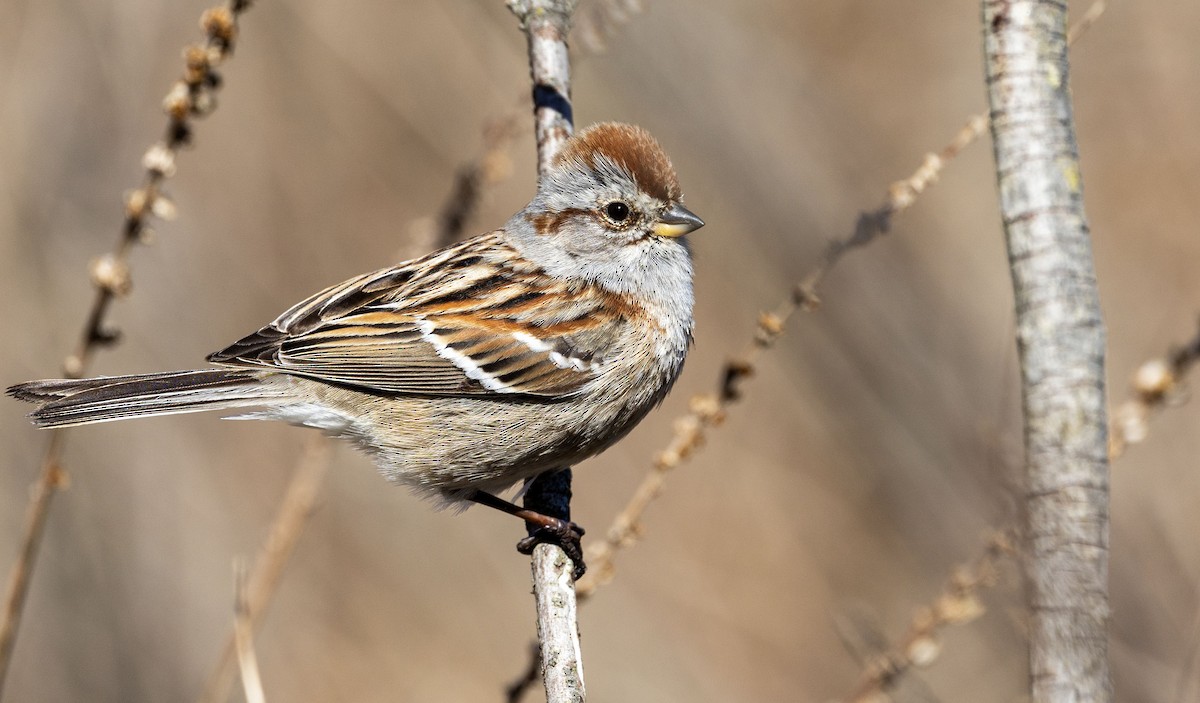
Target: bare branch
point(273, 556)
point(546, 24)
point(1156, 385)
point(516, 690)
point(1060, 340)
point(598, 20)
point(192, 96)
point(558, 626)
point(957, 604)
point(476, 176)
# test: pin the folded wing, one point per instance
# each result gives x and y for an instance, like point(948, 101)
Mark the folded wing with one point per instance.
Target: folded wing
point(473, 320)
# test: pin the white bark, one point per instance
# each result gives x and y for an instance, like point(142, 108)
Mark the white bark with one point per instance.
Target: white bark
point(1060, 337)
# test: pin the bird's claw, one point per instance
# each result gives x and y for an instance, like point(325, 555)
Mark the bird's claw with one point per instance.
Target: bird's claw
point(563, 534)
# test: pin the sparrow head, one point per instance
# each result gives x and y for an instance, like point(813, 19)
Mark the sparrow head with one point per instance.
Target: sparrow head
point(609, 205)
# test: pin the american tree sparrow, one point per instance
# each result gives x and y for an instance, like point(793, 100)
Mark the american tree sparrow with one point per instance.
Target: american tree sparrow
point(517, 352)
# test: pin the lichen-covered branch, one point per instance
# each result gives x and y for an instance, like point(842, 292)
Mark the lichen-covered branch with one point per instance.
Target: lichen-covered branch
point(546, 24)
point(1060, 340)
point(190, 97)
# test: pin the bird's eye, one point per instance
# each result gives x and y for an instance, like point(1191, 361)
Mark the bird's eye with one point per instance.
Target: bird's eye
point(617, 211)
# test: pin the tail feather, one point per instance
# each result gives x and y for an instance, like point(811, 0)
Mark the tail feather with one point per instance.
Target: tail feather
point(68, 402)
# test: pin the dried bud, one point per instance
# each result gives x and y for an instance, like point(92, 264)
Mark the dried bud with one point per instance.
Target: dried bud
point(215, 55)
point(195, 57)
point(111, 274)
point(178, 102)
point(770, 323)
point(160, 159)
point(218, 23)
point(1131, 421)
point(959, 608)
point(203, 103)
point(923, 651)
point(705, 405)
point(163, 208)
point(1153, 379)
point(135, 204)
point(805, 296)
point(73, 366)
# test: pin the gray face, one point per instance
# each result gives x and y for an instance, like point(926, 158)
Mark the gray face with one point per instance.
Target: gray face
point(597, 225)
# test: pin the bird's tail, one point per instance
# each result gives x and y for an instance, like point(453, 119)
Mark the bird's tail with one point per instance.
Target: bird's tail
point(68, 402)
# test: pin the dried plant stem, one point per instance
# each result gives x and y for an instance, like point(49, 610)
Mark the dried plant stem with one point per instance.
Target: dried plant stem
point(598, 20)
point(1156, 384)
point(190, 97)
point(51, 479)
point(708, 410)
point(476, 176)
point(243, 632)
point(546, 24)
point(958, 604)
point(1060, 342)
point(273, 556)
point(515, 691)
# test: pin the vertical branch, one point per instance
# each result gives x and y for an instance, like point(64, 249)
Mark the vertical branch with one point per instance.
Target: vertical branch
point(546, 24)
point(1060, 338)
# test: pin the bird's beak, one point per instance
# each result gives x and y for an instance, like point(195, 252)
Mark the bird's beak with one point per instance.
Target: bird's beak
point(677, 221)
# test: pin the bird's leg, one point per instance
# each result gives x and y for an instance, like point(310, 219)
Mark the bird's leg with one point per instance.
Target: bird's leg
point(550, 530)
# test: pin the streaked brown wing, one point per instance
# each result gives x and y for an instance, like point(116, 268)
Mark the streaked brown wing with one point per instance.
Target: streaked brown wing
point(460, 322)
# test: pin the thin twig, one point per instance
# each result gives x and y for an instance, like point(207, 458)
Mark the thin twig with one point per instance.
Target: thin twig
point(289, 522)
point(708, 410)
point(515, 691)
point(958, 603)
point(598, 20)
point(243, 631)
point(1156, 385)
point(475, 177)
point(191, 97)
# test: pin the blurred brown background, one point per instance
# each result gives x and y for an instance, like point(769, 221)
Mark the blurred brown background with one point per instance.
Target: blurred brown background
point(879, 441)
